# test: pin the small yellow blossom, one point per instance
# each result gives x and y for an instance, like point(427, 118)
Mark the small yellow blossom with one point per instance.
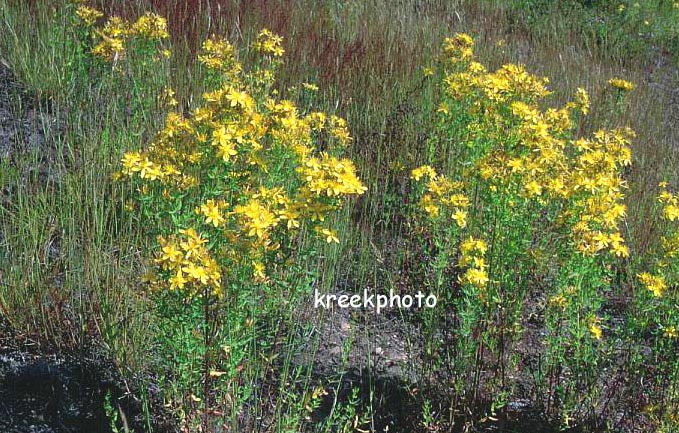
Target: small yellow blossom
point(595, 330)
point(211, 211)
point(671, 332)
point(330, 236)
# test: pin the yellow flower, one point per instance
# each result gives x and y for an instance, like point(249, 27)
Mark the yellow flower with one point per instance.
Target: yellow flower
point(479, 263)
point(423, 171)
point(596, 330)
point(558, 301)
point(671, 212)
point(257, 219)
point(429, 206)
point(219, 54)
point(671, 332)
point(460, 218)
point(170, 256)
point(131, 162)
point(258, 272)
point(459, 47)
point(619, 249)
point(168, 97)
point(476, 277)
point(329, 235)
point(582, 98)
point(197, 273)
point(620, 84)
point(193, 245)
point(665, 196)
point(533, 188)
point(238, 98)
point(112, 38)
point(269, 43)
point(177, 281)
point(212, 213)
point(150, 26)
point(601, 240)
point(516, 165)
point(147, 169)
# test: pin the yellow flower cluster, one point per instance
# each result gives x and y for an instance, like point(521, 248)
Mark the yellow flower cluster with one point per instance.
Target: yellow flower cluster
point(442, 193)
point(256, 219)
point(473, 258)
point(189, 263)
point(253, 161)
point(620, 84)
point(269, 43)
point(88, 15)
point(329, 176)
point(531, 150)
point(167, 98)
point(597, 185)
point(218, 54)
point(510, 82)
point(162, 161)
point(150, 26)
point(459, 48)
point(670, 212)
point(581, 101)
point(563, 298)
point(670, 203)
point(112, 38)
point(212, 211)
point(655, 283)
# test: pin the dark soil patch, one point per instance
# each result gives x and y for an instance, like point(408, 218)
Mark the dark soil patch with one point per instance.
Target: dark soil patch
point(53, 394)
point(66, 393)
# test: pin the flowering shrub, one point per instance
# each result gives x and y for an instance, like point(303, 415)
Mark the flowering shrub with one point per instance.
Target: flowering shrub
point(246, 165)
point(228, 189)
point(524, 192)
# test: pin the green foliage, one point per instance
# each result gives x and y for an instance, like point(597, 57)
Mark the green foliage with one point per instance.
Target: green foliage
point(624, 30)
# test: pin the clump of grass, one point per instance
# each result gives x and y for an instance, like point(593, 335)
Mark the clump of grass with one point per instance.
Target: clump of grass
point(70, 255)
